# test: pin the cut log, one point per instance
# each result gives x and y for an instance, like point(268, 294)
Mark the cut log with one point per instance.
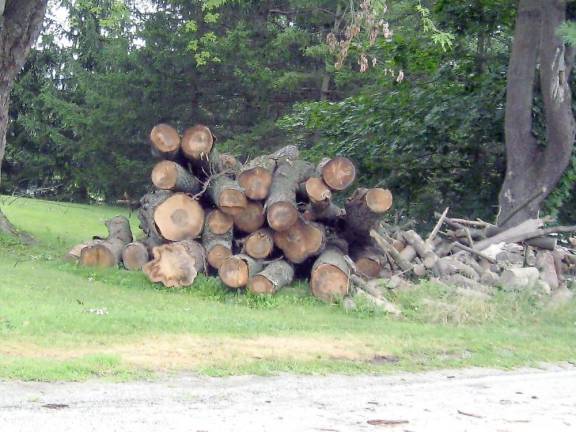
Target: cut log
point(176, 264)
point(423, 249)
point(275, 276)
point(387, 248)
point(107, 252)
point(135, 255)
point(448, 266)
point(197, 142)
point(148, 204)
point(251, 218)
point(170, 175)
point(317, 192)
point(218, 222)
point(255, 176)
point(260, 244)
point(217, 238)
point(364, 209)
point(369, 261)
point(512, 235)
point(329, 214)
point(178, 217)
point(330, 276)
point(227, 195)
point(281, 208)
point(103, 254)
point(119, 228)
point(236, 271)
point(519, 278)
point(165, 141)
point(301, 241)
point(546, 265)
point(338, 173)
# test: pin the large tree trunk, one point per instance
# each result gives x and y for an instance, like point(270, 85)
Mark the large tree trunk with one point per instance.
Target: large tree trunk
point(20, 24)
point(532, 167)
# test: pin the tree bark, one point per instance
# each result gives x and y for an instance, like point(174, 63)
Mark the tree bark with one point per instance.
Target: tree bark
point(272, 278)
point(20, 25)
point(531, 166)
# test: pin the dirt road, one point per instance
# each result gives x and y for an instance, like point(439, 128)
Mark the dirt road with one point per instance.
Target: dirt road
point(463, 400)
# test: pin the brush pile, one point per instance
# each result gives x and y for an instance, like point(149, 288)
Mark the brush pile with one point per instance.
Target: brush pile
point(261, 223)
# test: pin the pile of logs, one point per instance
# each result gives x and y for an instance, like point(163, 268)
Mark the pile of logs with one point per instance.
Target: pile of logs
point(261, 223)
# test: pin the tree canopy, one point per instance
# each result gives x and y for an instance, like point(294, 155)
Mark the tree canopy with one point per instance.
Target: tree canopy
point(413, 91)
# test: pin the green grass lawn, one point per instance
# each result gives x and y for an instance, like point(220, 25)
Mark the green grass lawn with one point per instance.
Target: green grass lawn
point(50, 327)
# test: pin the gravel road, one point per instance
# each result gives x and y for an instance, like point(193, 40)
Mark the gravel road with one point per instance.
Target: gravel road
point(457, 400)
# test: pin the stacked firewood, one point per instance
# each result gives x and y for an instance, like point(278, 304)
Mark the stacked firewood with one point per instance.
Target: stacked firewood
point(257, 224)
point(261, 223)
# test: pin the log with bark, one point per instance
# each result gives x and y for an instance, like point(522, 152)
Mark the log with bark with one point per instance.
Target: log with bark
point(330, 275)
point(165, 141)
point(255, 176)
point(259, 244)
point(301, 241)
point(281, 208)
point(176, 264)
point(217, 237)
point(236, 271)
point(251, 218)
point(227, 194)
point(364, 210)
point(274, 276)
point(170, 216)
point(107, 252)
point(135, 255)
point(338, 173)
point(170, 175)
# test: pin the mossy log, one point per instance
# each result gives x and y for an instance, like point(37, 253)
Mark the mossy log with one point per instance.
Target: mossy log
point(281, 208)
point(236, 271)
point(275, 276)
point(176, 264)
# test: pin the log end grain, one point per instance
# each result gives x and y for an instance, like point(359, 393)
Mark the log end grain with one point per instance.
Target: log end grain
point(197, 142)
